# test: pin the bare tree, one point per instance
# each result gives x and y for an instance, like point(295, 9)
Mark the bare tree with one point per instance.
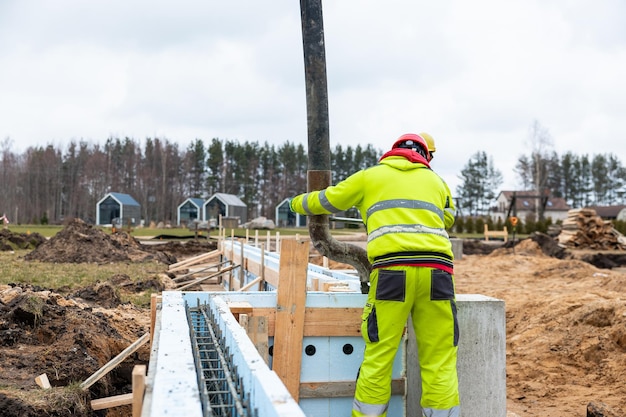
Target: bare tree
point(9, 178)
point(534, 170)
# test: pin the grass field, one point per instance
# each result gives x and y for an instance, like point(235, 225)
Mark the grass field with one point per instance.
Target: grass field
point(14, 269)
point(51, 230)
point(68, 277)
point(180, 232)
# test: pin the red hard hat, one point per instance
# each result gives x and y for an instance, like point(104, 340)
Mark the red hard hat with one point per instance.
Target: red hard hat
point(409, 139)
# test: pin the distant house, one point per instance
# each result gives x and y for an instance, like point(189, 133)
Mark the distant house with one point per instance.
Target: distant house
point(526, 204)
point(229, 206)
point(287, 218)
point(617, 212)
point(190, 210)
point(120, 207)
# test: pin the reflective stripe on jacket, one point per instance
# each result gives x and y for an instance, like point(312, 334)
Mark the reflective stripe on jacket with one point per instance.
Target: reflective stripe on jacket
point(406, 208)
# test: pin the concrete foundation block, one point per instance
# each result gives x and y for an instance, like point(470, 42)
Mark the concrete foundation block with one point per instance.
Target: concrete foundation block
point(481, 363)
point(457, 248)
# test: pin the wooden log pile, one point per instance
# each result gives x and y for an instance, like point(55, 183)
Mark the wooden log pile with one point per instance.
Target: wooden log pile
point(584, 229)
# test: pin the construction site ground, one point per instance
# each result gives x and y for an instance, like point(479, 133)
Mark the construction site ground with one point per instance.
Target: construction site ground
point(565, 319)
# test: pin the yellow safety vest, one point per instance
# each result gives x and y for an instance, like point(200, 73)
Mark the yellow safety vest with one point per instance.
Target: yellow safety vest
point(406, 208)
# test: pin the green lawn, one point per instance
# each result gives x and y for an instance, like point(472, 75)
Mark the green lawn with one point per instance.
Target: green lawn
point(49, 231)
point(179, 232)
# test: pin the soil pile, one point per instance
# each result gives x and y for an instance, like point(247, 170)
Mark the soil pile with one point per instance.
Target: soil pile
point(184, 249)
point(10, 241)
point(68, 338)
point(479, 247)
point(79, 242)
point(566, 329)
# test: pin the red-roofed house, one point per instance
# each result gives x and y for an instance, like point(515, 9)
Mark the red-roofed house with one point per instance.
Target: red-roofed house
point(617, 212)
point(556, 208)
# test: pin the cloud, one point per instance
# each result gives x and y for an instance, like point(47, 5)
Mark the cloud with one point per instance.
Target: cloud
point(474, 74)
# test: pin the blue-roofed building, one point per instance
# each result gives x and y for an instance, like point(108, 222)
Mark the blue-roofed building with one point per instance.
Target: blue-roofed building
point(118, 207)
point(287, 218)
point(190, 210)
point(229, 206)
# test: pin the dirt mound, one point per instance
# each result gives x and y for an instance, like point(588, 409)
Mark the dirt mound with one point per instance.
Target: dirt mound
point(68, 340)
point(79, 242)
point(524, 247)
point(11, 241)
point(566, 328)
point(108, 294)
point(605, 260)
point(549, 245)
point(537, 244)
point(184, 249)
point(479, 247)
point(103, 292)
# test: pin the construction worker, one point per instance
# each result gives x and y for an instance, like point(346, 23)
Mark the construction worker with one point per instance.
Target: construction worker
point(431, 144)
point(406, 208)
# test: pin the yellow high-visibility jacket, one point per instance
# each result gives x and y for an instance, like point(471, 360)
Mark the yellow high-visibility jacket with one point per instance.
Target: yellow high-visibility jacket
point(405, 206)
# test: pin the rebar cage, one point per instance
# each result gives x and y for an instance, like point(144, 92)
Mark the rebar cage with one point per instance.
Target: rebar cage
point(221, 388)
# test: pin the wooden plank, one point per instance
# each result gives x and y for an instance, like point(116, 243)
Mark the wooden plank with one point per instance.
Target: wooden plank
point(257, 268)
point(240, 307)
point(242, 273)
point(108, 402)
point(290, 308)
point(496, 233)
point(154, 301)
point(324, 321)
point(115, 361)
point(338, 389)
point(334, 285)
point(319, 321)
point(315, 284)
point(262, 266)
point(217, 267)
point(190, 261)
point(250, 284)
point(199, 280)
point(139, 387)
point(340, 288)
point(243, 320)
point(197, 271)
point(43, 381)
point(257, 329)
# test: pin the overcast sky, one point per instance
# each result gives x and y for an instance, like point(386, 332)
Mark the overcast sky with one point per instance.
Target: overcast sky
point(475, 74)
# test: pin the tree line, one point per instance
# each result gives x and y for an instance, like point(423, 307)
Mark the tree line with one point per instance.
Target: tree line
point(48, 185)
point(582, 180)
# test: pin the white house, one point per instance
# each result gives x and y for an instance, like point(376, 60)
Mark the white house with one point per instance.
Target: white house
point(526, 203)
